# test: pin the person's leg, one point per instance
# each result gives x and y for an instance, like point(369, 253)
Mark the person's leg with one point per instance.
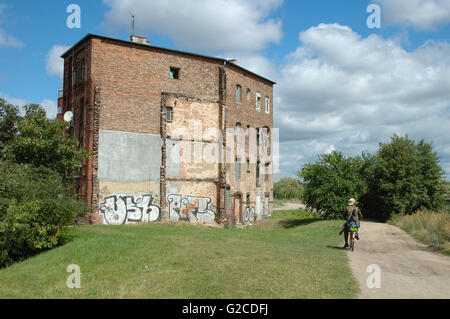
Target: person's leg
point(346, 231)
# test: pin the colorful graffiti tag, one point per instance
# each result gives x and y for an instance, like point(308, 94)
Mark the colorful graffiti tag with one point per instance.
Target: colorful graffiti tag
point(193, 209)
point(124, 209)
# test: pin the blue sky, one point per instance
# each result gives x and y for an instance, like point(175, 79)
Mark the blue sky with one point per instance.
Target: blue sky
point(340, 86)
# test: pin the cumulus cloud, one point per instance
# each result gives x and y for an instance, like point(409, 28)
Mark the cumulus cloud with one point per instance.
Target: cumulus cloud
point(213, 25)
point(342, 91)
point(55, 64)
point(419, 14)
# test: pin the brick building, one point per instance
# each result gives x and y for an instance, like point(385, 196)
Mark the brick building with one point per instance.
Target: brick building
point(153, 119)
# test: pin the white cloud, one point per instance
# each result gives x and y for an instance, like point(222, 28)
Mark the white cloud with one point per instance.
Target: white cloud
point(419, 14)
point(342, 91)
point(55, 64)
point(7, 40)
point(219, 25)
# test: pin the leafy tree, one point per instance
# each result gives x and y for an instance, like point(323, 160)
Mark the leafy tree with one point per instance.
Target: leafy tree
point(9, 116)
point(406, 177)
point(40, 141)
point(288, 188)
point(35, 209)
point(333, 180)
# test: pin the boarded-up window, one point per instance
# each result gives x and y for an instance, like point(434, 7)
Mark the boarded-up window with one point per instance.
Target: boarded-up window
point(267, 105)
point(266, 172)
point(238, 93)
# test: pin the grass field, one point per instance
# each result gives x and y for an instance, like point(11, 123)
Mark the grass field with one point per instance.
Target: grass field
point(291, 255)
point(432, 228)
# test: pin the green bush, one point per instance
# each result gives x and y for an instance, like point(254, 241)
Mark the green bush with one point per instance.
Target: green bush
point(35, 210)
point(333, 180)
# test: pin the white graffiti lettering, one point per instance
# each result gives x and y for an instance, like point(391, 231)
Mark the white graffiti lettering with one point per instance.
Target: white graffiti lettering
point(124, 209)
point(249, 215)
point(193, 209)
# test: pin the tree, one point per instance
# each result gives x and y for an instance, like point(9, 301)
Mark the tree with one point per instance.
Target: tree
point(39, 141)
point(288, 188)
point(332, 181)
point(406, 177)
point(9, 116)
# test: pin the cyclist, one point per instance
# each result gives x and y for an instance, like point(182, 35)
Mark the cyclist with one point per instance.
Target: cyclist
point(352, 215)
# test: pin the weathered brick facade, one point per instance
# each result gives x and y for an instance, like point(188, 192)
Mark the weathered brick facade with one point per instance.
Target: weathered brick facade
point(119, 98)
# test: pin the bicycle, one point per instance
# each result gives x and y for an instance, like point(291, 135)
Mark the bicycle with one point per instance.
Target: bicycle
point(352, 234)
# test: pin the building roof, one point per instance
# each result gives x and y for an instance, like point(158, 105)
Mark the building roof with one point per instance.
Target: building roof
point(145, 46)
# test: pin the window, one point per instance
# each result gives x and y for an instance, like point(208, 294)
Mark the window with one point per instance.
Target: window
point(238, 169)
point(83, 72)
point(267, 105)
point(258, 165)
point(169, 114)
point(248, 94)
point(258, 101)
point(247, 202)
point(227, 197)
point(174, 73)
point(238, 93)
point(74, 75)
point(266, 172)
point(248, 165)
point(238, 131)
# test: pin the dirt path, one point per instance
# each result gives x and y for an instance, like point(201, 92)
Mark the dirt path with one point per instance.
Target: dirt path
point(408, 269)
point(291, 206)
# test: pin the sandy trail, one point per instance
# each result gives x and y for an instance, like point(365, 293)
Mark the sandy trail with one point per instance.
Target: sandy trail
point(291, 206)
point(408, 269)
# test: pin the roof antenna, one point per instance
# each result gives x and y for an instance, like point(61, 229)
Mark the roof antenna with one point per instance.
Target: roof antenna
point(132, 21)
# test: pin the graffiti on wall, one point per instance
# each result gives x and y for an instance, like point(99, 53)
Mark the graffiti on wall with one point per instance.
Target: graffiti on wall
point(249, 215)
point(194, 209)
point(124, 209)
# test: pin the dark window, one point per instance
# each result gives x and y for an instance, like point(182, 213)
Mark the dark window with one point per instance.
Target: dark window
point(248, 166)
point(258, 165)
point(83, 70)
point(174, 73)
point(169, 114)
point(247, 202)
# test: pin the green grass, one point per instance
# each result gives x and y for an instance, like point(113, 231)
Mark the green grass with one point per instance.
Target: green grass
point(432, 228)
point(291, 255)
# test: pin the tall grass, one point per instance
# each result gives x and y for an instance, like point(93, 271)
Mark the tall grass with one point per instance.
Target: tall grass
point(432, 228)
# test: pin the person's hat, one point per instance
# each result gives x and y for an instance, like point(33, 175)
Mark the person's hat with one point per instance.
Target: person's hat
point(351, 202)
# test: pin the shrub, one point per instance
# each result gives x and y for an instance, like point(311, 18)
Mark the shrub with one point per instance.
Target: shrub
point(406, 177)
point(332, 181)
point(35, 210)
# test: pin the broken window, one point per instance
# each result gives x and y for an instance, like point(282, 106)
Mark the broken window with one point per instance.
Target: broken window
point(258, 101)
point(169, 114)
point(174, 73)
point(238, 93)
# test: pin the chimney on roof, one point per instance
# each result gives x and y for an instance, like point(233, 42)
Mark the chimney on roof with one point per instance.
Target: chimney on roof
point(140, 40)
